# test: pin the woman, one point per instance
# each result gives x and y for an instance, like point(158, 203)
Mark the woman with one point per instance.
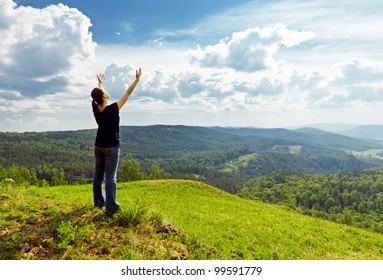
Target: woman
point(107, 143)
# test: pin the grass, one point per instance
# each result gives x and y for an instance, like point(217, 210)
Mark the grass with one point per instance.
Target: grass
point(168, 219)
point(60, 223)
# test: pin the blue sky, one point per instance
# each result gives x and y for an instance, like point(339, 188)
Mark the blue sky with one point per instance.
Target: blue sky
point(136, 22)
point(228, 63)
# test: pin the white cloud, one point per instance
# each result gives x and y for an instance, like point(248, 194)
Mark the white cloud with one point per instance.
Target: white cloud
point(351, 84)
point(264, 87)
point(250, 50)
point(32, 124)
point(41, 47)
point(189, 84)
point(118, 78)
point(157, 85)
point(358, 71)
point(360, 79)
point(366, 93)
point(37, 105)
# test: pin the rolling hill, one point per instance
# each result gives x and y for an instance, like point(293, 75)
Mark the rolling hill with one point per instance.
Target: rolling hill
point(168, 141)
point(169, 219)
point(223, 157)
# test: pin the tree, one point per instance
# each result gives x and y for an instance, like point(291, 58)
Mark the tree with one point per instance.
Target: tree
point(155, 173)
point(130, 171)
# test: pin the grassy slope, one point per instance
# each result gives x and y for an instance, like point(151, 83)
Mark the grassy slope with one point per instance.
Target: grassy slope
point(172, 219)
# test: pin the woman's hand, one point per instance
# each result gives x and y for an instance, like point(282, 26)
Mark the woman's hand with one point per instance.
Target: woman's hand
point(101, 79)
point(138, 74)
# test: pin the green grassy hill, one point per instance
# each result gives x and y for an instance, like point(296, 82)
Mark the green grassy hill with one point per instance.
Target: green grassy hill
point(168, 219)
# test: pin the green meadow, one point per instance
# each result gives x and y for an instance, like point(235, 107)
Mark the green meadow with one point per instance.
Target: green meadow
point(168, 219)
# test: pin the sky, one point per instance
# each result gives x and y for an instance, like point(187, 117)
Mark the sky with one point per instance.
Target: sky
point(205, 62)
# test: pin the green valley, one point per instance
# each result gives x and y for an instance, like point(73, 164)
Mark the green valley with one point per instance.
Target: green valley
point(222, 157)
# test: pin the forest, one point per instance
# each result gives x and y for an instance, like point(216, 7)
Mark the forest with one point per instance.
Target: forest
point(310, 171)
point(354, 198)
point(223, 157)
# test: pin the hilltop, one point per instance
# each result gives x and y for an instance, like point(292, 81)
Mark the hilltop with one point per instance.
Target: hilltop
point(168, 219)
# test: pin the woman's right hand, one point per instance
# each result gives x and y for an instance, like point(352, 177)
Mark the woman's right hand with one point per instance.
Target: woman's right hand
point(138, 74)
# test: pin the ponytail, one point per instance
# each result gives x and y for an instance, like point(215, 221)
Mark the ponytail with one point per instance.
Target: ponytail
point(95, 106)
point(96, 95)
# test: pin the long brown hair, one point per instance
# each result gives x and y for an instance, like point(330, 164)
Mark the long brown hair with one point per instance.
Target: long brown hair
point(97, 95)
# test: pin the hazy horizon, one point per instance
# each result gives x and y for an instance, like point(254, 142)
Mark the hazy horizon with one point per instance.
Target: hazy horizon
point(330, 127)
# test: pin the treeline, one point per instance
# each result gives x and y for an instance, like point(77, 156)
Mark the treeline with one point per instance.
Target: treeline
point(129, 170)
point(351, 198)
point(41, 175)
point(50, 175)
point(269, 162)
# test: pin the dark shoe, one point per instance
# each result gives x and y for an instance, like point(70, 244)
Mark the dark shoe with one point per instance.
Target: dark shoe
point(110, 213)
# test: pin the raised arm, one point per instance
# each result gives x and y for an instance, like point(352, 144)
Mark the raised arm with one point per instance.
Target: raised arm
point(101, 79)
point(129, 91)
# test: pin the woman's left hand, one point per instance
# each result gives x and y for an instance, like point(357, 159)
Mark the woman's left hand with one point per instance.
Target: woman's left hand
point(101, 78)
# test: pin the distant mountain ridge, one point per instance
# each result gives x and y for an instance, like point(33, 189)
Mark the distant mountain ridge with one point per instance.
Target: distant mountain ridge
point(373, 131)
point(365, 131)
point(308, 135)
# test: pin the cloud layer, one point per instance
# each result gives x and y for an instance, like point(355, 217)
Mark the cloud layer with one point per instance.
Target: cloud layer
point(229, 83)
point(41, 48)
point(244, 73)
point(320, 57)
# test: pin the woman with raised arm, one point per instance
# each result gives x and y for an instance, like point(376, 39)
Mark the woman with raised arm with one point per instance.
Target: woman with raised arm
point(107, 144)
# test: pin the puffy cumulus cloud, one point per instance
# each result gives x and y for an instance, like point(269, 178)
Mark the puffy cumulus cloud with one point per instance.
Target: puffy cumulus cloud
point(350, 84)
point(189, 84)
point(357, 71)
point(266, 86)
point(307, 81)
point(250, 50)
point(118, 78)
point(40, 47)
point(315, 91)
point(359, 79)
point(6, 8)
point(158, 85)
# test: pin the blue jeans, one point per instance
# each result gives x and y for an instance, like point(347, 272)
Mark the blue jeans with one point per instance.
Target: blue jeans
point(106, 168)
